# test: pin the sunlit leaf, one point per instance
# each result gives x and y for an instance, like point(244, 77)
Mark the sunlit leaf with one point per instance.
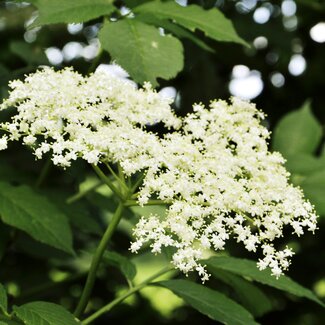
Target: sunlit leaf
point(72, 11)
point(212, 22)
point(142, 51)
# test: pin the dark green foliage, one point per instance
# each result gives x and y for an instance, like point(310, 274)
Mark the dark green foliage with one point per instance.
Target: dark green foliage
point(195, 53)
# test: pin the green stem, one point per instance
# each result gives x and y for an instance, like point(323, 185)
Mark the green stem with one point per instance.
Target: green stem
point(45, 170)
point(107, 181)
point(137, 184)
point(96, 261)
point(119, 179)
point(131, 203)
point(118, 300)
point(81, 194)
point(8, 319)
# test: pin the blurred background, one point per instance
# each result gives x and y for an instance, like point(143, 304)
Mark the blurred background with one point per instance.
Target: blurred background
point(284, 67)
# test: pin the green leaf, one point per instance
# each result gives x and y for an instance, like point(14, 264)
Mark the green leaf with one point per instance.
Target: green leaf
point(28, 211)
point(123, 263)
point(297, 132)
point(142, 51)
point(249, 269)
point(177, 30)
point(212, 22)
point(210, 302)
point(303, 164)
point(44, 313)
point(3, 299)
point(31, 247)
point(72, 11)
point(77, 213)
point(248, 294)
point(314, 188)
point(135, 3)
point(30, 54)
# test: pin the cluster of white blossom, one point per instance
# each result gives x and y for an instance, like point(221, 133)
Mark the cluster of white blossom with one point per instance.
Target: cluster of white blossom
point(100, 117)
point(212, 169)
point(221, 181)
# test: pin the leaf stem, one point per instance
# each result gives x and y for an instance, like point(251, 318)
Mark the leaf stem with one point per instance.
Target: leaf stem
point(118, 300)
point(97, 259)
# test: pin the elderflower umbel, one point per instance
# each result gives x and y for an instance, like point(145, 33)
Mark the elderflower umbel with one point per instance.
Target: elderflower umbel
point(96, 118)
point(212, 168)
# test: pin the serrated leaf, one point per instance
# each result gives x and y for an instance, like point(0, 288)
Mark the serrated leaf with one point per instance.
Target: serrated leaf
point(44, 313)
point(210, 302)
point(297, 132)
point(29, 53)
point(249, 269)
point(142, 51)
point(3, 299)
point(72, 11)
point(175, 29)
point(212, 22)
point(22, 208)
point(248, 294)
point(314, 188)
point(123, 263)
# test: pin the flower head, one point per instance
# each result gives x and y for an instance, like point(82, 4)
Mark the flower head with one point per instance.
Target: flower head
point(212, 168)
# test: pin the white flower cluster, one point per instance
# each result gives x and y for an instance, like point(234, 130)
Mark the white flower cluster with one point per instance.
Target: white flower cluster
point(221, 181)
point(100, 117)
point(212, 168)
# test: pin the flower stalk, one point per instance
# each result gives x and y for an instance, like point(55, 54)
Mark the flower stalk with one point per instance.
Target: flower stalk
point(97, 257)
point(118, 300)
